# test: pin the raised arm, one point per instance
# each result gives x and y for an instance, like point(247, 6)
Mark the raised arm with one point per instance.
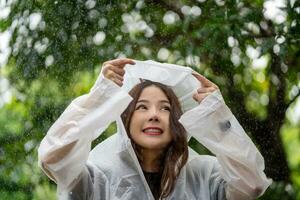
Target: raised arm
point(64, 150)
point(213, 125)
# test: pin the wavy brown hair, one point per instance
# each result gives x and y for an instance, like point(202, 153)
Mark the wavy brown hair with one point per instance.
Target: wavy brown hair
point(176, 154)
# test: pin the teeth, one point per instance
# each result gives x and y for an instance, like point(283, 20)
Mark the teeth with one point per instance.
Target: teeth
point(152, 130)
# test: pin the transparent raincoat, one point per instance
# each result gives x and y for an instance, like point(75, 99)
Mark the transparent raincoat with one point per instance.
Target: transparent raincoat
point(111, 170)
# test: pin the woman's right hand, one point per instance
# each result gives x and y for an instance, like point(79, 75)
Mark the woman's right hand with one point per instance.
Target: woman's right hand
point(114, 69)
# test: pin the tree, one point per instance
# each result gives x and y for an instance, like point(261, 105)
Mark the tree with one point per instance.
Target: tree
point(58, 41)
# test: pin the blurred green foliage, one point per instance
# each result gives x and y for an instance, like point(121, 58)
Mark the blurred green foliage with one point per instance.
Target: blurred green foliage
point(57, 48)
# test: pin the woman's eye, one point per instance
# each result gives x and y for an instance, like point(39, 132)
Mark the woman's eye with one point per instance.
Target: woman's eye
point(143, 107)
point(166, 108)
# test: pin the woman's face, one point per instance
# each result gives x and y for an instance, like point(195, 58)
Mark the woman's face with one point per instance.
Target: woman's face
point(149, 126)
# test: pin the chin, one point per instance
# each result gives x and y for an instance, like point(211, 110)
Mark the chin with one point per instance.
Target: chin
point(154, 145)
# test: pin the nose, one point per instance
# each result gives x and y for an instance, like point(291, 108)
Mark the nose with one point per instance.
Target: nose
point(153, 115)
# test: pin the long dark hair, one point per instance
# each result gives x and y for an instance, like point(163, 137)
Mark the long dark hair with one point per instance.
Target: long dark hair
point(176, 155)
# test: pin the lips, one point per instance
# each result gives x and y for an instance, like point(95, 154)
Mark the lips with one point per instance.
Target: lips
point(153, 131)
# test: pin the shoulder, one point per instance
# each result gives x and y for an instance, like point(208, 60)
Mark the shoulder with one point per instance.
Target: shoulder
point(112, 157)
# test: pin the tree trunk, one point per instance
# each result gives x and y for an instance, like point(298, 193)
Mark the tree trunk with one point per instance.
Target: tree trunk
point(271, 148)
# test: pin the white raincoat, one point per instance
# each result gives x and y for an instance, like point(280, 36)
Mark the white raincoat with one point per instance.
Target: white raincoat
point(111, 170)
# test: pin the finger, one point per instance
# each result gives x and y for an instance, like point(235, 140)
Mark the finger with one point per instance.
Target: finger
point(117, 76)
point(117, 70)
point(206, 90)
point(117, 81)
point(109, 74)
point(199, 97)
point(204, 81)
point(120, 62)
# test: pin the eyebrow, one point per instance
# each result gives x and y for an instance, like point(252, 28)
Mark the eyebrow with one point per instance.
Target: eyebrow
point(146, 101)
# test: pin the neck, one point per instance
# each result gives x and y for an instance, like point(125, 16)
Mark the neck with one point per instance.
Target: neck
point(151, 160)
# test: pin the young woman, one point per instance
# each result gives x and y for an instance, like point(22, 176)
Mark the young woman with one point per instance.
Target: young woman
point(148, 158)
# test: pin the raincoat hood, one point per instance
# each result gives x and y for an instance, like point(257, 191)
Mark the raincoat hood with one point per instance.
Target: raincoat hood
point(177, 77)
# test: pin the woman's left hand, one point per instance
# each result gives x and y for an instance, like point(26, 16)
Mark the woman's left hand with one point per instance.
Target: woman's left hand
point(207, 87)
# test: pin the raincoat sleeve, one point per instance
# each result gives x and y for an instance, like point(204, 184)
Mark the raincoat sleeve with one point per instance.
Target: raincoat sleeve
point(242, 165)
point(64, 150)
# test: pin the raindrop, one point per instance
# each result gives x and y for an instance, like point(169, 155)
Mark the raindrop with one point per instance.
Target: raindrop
point(196, 11)
point(29, 145)
point(73, 37)
point(89, 40)
point(186, 10)
point(192, 60)
point(118, 38)
point(292, 2)
point(4, 12)
point(254, 94)
point(90, 4)
point(264, 25)
point(29, 42)
point(149, 32)
point(294, 91)
point(231, 41)
point(139, 4)
point(237, 78)
point(102, 22)
point(220, 2)
point(124, 28)
point(34, 20)
point(235, 59)
point(258, 41)
point(236, 50)
point(273, 11)
point(275, 79)
point(75, 25)
point(252, 53)
point(276, 49)
point(23, 30)
point(40, 47)
point(93, 14)
point(146, 51)
point(142, 25)
point(49, 60)
point(99, 38)
point(26, 13)
point(279, 19)
point(127, 17)
point(253, 27)
point(264, 99)
point(42, 25)
point(170, 17)
point(247, 77)
point(284, 68)
point(163, 54)
point(260, 62)
point(280, 39)
point(260, 77)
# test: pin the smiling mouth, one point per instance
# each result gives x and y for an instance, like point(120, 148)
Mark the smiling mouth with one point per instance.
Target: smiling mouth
point(153, 131)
